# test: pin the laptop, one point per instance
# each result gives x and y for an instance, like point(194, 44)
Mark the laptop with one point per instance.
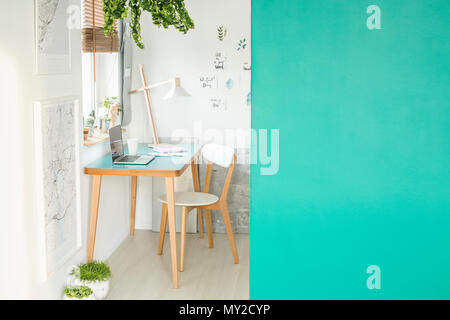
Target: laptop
point(118, 157)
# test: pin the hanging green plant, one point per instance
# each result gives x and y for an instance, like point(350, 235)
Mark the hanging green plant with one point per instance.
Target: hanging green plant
point(164, 13)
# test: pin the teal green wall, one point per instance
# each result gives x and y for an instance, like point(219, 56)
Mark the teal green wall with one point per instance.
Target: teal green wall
point(364, 178)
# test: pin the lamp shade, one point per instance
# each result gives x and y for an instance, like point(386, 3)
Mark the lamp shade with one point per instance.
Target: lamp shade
point(176, 91)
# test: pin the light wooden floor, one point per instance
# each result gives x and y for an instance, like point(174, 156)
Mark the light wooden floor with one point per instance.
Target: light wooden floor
point(139, 273)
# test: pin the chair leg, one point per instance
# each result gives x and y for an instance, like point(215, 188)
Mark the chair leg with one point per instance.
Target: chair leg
point(209, 228)
point(162, 228)
point(200, 222)
point(184, 212)
point(227, 221)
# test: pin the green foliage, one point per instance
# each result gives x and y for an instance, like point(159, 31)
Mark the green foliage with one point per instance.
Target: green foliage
point(110, 101)
point(164, 13)
point(92, 271)
point(77, 292)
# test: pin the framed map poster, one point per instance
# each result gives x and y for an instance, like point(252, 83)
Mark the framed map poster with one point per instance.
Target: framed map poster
point(52, 39)
point(57, 143)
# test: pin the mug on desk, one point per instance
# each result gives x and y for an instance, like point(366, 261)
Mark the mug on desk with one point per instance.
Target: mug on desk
point(132, 146)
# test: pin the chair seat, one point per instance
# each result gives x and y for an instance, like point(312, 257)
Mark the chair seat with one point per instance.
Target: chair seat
point(192, 199)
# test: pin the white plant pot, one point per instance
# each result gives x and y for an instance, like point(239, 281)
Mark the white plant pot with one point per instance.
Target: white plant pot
point(99, 288)
point(91, 297)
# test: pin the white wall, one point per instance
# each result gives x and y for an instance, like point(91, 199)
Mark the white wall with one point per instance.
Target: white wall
point(19, 87)
point(169, 53)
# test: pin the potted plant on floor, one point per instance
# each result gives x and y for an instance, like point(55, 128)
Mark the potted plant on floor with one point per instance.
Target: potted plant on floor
point(78, 293)
point(95, 275)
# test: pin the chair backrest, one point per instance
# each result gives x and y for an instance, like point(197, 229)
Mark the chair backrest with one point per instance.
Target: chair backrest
point(218, 154)
point(223, 156)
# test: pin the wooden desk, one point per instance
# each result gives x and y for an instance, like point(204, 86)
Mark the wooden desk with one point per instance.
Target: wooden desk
point(167, 167)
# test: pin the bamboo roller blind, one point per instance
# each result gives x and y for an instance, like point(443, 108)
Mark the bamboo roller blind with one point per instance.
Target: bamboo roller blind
point(93, 19)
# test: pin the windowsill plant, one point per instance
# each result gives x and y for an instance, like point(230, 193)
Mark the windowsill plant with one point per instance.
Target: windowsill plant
point(90, 122)
point(109, 110)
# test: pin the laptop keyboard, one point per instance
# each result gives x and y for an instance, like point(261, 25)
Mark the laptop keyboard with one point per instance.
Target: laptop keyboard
point(128, 159)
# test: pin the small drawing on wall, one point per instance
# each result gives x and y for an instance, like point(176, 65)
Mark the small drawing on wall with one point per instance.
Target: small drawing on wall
point(208, 82)
point(249, 99)
point(219, 61)
point(246, 66)
point(222, 32)
point(229, 83)
point(242, 45)
point(52, 40)
point(218, 104)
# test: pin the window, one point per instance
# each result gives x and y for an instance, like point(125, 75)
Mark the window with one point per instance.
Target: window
point(93, 37)
point(100, 60)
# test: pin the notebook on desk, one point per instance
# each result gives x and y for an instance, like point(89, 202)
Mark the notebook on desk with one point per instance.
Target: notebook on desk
point(166, 148)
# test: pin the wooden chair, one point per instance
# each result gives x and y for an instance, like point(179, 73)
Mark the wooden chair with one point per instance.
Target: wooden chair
point(219, 155)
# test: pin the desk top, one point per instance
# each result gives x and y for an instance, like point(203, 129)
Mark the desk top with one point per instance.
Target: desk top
point(158, 167)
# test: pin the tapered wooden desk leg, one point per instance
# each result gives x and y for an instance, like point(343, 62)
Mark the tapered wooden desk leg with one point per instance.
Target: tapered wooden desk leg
point(172, 228)
point(194, 168)
point(184, 214)
point(162, 228)
point(133, 204)
point(95, 200)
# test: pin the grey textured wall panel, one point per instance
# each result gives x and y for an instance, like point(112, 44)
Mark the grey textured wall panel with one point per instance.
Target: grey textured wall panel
point(238, 195)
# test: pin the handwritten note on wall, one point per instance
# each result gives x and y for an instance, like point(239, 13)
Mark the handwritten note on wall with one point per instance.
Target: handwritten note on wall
point(208, 82)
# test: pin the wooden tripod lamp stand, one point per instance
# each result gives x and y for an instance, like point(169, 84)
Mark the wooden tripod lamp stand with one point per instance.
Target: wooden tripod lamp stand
point(175, 91)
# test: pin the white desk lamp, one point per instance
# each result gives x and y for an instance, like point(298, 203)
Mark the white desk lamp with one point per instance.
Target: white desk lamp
point(175, 91)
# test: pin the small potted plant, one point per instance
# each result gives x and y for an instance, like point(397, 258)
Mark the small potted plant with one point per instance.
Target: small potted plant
point(106, 120)
point(95, 275)
point(78, 293)
point(90, 122)
point(86, 129)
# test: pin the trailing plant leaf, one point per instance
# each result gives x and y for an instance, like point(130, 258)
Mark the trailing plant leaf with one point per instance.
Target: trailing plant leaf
point(164, 13)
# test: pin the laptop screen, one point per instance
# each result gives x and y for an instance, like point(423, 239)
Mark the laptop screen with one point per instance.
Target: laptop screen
point(115, 139)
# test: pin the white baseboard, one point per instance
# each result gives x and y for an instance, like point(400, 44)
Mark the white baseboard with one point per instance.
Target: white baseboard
point(143, 227)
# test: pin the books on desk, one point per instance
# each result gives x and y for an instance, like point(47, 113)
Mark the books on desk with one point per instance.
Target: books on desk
point(166, 150)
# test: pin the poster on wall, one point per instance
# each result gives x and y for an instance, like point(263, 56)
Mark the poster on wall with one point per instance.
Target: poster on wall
point(57, 134)
point(52, 37)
